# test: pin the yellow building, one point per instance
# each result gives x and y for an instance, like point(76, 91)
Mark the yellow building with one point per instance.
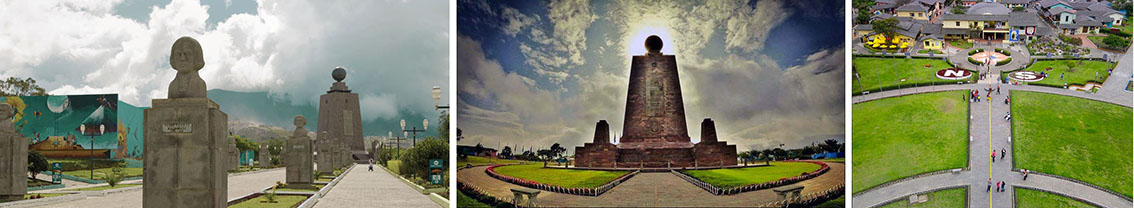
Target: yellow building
point(914, 11)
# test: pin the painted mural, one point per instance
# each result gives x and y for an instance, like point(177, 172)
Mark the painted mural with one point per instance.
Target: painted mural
point(77, 126)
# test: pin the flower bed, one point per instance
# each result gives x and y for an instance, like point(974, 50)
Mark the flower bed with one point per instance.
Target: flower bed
point(554, 188)
point(754, 187)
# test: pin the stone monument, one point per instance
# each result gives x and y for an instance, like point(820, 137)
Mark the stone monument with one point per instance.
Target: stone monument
point(325, 159)
point(340, 115)
point(265, 156)
point(654, 128)
point(300, 173)
point(233, 155)
point(13, 157)
point(185, 139)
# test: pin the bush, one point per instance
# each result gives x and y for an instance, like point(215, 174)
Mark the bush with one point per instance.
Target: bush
point(415, 162)
point(974, 61)
point(1115, 42)
point(37, 163)
point(84, 164)
point(1005, 61)
point(1005, 52)
point(114, 177)
point(975, 51)
point(1071, 40)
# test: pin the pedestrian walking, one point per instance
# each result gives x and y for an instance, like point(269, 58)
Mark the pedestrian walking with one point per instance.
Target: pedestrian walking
point(1002, 153)
point(371, 167)
point(998, 186)
point(994, 156)
point(997, 89)
point(1002, 185)
point(1025, 174)
point(989, 185)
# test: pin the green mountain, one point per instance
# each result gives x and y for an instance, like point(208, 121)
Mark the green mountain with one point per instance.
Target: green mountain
point(263, 109)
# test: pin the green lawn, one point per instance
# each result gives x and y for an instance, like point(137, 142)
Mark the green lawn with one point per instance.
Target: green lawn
point(560, 177)
point(733, 177)
point(838, 160)
point(961, 44)
point(1080, 74)
point(317, 187)
point(886, 73)
point(1126, 28)
point(909, 135)
point(467, 201)
point(835, 203)
point(1033, 198)
point(34, 183)
point(1073, 137)
point(393, 166)
point(926, 51)
point(474, 160)
point(99, 173)
point(281, 201)
point(100, 188)
point(943, 198)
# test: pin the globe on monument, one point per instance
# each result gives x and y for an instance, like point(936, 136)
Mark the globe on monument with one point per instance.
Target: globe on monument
point(653, 43)
point(338, 74)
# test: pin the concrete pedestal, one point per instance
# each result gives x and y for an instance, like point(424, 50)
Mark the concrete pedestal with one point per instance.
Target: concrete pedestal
point(185, 154)
point(13, 164)
point(300, 173)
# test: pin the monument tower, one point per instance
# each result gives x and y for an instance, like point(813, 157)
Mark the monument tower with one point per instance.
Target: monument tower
point(340, 117)
point(655, 133)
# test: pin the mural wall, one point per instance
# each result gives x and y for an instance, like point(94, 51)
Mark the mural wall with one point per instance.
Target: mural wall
point(71, 126)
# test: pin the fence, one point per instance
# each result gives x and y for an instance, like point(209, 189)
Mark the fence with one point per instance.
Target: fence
point(491, 171)
point(754, 187)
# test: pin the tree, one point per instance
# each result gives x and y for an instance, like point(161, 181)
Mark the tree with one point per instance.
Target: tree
point(275, 146)
point(557, 150)
point(886, 27)
point(36, 163)
point(17, 87)
point(779, 153)
point(768, 153)
point(245, 144)
point(443, 129)
point(506, 152)
point(831, 145)
point(478, 150)
point(545, 154)
point(958, 10)
point(415, 162)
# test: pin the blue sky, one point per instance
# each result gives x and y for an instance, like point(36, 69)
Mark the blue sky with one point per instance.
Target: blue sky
point(535, 73)
point(394, 51)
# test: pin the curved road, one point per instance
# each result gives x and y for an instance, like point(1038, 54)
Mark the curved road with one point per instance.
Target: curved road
point(988, 131)
point(651, 189)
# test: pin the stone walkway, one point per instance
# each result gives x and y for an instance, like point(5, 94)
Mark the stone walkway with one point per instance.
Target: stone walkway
point(361, 188)
point(990, 132)
point(237, 186)
point(651, 189)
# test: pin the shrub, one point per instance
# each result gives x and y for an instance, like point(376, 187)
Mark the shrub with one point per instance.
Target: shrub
point(974, 61)
point(1005, 61)
point(975, 51)
point(1071, 40)
point(415, 162)
point(114, 177)
point(37, 163)
point(1115, 42)
point(1005, 52)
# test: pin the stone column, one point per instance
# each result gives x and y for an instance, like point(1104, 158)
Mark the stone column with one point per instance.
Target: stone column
point(13, 157)
point(185, 140)
point(300, 174)
point(265, 157)
point(233, 155)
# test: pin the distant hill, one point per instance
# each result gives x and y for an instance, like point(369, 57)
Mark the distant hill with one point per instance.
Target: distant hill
point(259, 116)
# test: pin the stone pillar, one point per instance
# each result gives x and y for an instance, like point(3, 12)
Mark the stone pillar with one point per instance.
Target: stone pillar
point(708, 130)
point(300, 174)
point(13, 157)
point(185, 140)
point(602, 132)
point(265, 157)
point(325, 158)
point(233, 155)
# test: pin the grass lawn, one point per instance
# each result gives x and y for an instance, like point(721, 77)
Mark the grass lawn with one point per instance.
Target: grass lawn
point(474, 160)
point(560, 177)
point(317, 187)
point(281, 201)
point(393, 165)
point(467, 201)
point(879, 73)
point(101, 172)
point(961, 44)
point(909, 135)
point(935, 52)
point(34, 183)
point(835, 203)
point(1073, 137)
point(100, 188)
point(943, 198)
point(1080, 74)
point(1033, 198)
point(733, 177)
point(838, 160)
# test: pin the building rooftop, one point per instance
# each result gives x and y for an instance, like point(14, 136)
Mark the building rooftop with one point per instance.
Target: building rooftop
point(1023, 19)
point(975, 17)
point(912, 8)
point(988, 8)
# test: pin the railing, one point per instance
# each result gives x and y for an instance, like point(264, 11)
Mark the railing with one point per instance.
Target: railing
point(809, 200)
point(491, 171)
point(754, 187)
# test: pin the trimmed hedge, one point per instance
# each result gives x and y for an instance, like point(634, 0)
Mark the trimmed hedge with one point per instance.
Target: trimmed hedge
point(975, 51)
point(1005, 52)
point(1005, 61)
point(974, 61)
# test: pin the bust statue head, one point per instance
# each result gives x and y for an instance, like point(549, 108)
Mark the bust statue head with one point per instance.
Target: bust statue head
point(300, 121)
point(6, 111)
point(186, 55)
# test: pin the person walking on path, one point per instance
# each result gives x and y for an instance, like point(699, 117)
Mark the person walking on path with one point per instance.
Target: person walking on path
point(989, 185)
point(997, 89)
point(371, 167)
point(1002, 153)
point(1025, 174)
point(1002, 185)
point(993, 155)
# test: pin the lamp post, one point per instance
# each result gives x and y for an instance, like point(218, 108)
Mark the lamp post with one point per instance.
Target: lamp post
point(437, 99)
point(424, 126)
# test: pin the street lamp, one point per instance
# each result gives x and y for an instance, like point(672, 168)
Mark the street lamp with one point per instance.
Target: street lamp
point(424, 124)
point(437, 99)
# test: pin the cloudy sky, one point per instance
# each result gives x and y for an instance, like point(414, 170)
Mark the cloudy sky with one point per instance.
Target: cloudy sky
point(536, 73)
point(394, 51)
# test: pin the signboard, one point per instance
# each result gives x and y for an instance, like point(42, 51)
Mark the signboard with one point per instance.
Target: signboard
point(1025, 76)
point(56, 172)
point(435, 171)
point(954, 74)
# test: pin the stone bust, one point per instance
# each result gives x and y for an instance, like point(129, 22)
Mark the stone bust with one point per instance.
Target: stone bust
point(6, 113)
point(300, 121)
point(186, 57)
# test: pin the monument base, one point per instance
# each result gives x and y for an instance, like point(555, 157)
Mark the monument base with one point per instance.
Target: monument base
point(704, 154)
point(186, 161)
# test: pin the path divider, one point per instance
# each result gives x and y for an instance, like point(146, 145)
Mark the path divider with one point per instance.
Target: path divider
point(753, 187)
point(559, 189)
point(810, 200)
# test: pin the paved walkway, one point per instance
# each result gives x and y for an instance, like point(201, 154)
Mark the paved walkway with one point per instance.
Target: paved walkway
point(990, 132)
point(361, 188)
point(651, 189)
point(237, 186)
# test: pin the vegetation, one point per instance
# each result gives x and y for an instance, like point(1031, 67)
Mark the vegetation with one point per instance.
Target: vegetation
point(908, 135)
point(961, 44)
point(1033, 198)
point(958, 10)
point(1071, 40)
point(1072, 71)
point(886, 27)
point(1111, 41)
point(926, 51)
point(416, 159)
point(281, 201)
point(466, 201)
point(1053, 129)
point(943, 198)
point(1003, 62)
point(114, 177)
point(474, 160)
point(876, 74)
point(100, 188)
point(560, 177)
point(126, 172)
point(20, 87)
point(804, 153)
point(734, 177)
point(834, 203)
point(36, 163)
